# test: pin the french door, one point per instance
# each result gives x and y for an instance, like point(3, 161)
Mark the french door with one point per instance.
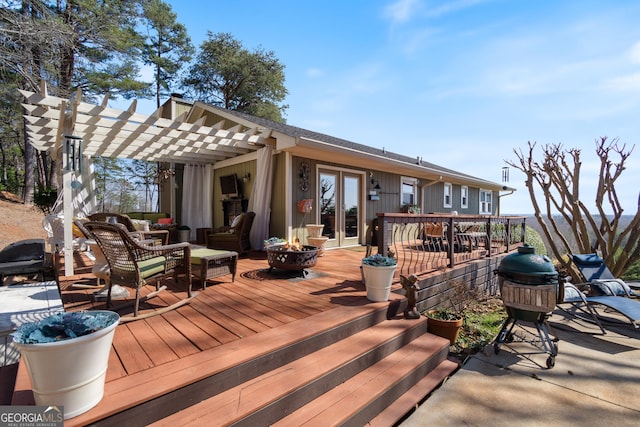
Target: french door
point(340, 206)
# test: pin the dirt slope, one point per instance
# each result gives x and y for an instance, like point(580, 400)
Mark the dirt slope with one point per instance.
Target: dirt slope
point(18, 221)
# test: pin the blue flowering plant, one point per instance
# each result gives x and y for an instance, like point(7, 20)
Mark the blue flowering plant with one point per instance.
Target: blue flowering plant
point(274, 241)
point(379, 260)
point(64, 326)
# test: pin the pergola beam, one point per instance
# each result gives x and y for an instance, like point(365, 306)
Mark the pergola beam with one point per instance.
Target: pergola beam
point(117, 133)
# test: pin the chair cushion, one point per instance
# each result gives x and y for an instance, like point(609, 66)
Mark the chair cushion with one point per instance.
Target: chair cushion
point(75, 230)
point(227, 235)
point(236, 221)
point(612, 287)
point(152, 266)
point(166, 221)
point(198, 254)
point(587, 259)
point(140, 224)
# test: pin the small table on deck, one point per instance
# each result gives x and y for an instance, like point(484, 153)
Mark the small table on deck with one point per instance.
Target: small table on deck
point(207, 264)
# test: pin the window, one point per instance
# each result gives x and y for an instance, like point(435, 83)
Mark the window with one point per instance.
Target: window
point(448, 191)
point(409, 191)
point(485, 201)
point(464, 196)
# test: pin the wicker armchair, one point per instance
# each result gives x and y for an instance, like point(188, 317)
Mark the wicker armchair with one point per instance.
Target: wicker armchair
point(233, 238)
point(134, 264)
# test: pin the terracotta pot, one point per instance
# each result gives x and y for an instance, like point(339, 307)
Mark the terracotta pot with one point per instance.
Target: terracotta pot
point(448, 329)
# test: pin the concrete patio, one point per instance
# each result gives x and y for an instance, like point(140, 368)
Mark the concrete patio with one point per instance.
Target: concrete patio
point(595, 381)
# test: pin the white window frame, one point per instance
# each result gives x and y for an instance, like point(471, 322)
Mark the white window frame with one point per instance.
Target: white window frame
point(485, 207)
point(413, 182)
point(464, 196)
point(447, 201)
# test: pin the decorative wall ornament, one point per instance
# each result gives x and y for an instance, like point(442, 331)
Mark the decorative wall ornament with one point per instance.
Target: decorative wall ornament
point(304, 175)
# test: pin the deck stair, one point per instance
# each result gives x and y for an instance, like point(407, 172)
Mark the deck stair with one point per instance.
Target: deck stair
point(369, 369)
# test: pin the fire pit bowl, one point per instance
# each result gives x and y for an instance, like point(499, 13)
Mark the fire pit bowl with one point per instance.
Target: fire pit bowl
point(287, 259)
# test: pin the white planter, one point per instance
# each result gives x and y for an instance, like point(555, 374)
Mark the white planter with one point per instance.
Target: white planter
point(315, 230)
point(378, 281)
point(70, 372)
point(318, 242)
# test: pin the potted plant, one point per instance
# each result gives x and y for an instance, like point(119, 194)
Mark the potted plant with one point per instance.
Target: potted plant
point(377, 275)
point(183, 233)
point(446, 321)
point(273, 242)
point(66, 355)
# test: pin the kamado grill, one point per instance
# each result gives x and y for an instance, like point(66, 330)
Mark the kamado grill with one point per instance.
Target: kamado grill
point(529, 289)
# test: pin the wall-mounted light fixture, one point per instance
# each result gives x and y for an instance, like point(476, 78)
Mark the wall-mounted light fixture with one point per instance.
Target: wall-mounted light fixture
point(246, 177)
point(375, 187)
point(375, 184)
point(163, 174)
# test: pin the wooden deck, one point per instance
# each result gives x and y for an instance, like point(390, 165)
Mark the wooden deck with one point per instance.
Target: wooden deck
point(227, 324)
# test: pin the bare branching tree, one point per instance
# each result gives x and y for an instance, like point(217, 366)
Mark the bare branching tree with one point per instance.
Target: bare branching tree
point(558, 176)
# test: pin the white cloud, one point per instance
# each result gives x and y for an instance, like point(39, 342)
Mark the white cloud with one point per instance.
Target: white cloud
point(417, 40)
point(624, 83)
point(402, 10)
point(314, 72)
point(452, 7)
point(634, 53)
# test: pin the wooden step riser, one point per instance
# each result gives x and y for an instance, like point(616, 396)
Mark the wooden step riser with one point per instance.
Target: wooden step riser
point(378, 405)
point(365, 395)
point(167, 404)
point(402, 406)
point(303, 395)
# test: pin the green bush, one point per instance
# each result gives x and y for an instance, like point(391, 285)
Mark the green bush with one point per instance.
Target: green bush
point(45, 198)
point(532, 238)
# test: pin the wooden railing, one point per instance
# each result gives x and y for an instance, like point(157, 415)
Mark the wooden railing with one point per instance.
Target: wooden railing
point(427, 242)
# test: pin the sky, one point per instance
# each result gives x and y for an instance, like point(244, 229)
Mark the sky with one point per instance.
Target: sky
point(461, 83)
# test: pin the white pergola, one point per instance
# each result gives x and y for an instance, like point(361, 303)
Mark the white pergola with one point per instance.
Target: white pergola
point(52, 121)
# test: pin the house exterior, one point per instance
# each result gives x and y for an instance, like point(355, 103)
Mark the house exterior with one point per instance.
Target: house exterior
point(348, 182)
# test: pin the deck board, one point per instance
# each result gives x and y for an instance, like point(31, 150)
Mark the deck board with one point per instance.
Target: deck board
point(151, 343)
point(177, 342)
point(130, 352)
point(233, 315)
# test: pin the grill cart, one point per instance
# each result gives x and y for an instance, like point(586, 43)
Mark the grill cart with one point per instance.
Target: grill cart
point(529, 288)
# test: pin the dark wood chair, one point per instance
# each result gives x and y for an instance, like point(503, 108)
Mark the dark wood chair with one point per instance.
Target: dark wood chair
point(133, 264)
point(235, 238)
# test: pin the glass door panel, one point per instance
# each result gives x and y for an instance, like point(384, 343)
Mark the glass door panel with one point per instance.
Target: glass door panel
point(340, 208)
point(351, 208)
point(328, 197)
